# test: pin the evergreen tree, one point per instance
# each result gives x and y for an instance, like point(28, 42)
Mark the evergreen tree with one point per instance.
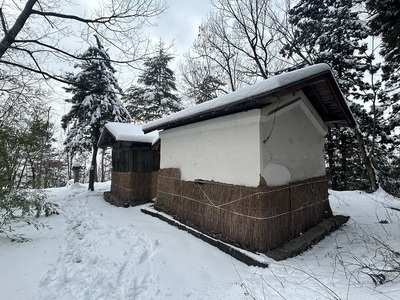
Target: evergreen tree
point(206, 89)
point(385, 22)
point(25, 149)
point(94, 101)
point(332, 31)
point(24, 138)
point(154, 97)
point(200, 81)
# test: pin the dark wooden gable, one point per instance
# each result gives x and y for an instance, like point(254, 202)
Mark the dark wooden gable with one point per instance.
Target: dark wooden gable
point(131, 156)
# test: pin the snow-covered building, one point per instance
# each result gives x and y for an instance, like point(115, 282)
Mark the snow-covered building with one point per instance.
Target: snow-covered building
point(249, 166)
point(135, 162)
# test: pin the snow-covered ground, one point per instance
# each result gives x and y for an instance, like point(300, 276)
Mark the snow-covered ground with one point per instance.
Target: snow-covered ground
point(98, 251)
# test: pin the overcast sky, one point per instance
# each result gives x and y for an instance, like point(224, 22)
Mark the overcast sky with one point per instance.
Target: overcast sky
point(180, 23)
point(179, 27)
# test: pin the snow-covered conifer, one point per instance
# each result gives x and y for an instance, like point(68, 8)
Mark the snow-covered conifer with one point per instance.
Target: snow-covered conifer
point(94, 100)
point(154, 97)
point(330, 31)
point(333, 32)
point(385, 22)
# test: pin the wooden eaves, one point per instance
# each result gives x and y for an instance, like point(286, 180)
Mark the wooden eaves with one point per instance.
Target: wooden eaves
point(321, 89)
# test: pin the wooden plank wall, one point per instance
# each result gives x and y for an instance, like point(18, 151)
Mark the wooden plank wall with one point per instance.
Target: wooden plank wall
point(140, 160)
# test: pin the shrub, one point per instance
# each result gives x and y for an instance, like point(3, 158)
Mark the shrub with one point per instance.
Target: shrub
point(23, 206)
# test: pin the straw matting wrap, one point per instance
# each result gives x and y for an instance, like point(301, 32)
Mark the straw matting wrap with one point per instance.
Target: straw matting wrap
point(132, 188)
point(260, 218)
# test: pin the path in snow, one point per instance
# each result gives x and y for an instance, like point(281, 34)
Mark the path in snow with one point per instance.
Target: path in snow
point(99, 260)
point(111, 252)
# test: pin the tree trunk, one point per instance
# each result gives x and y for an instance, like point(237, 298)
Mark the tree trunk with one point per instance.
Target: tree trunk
point(331, 161)
point(93, 166)
point(343, 161)
point(20, 178)
point(102, 166)
point(366, 160)
point(33, 170)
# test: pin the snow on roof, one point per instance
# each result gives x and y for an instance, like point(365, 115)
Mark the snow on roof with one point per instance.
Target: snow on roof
point(266, 86)
point(128, 132)
point(76, 165)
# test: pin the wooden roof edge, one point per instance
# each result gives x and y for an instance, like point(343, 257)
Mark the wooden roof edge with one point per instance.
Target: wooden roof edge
point(341, 101)
point(100, 143)
point(262, 99)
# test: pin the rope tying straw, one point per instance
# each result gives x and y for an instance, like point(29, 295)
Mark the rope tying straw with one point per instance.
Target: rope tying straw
point(242, 198)
point(124, 188)
point(205, 194)
point(247, 216)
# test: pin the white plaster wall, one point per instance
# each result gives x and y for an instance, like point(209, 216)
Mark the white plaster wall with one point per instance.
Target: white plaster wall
point(224, 149)
point(292, 142)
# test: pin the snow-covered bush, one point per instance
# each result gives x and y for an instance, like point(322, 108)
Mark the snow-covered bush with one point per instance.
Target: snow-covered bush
point(23, 206)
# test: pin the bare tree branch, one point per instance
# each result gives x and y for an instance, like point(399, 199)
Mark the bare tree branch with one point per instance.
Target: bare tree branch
point(58, 50)
point(36, 46)
point(240, 40)
point(3, 21)
point(10, 35)
point(44, 74)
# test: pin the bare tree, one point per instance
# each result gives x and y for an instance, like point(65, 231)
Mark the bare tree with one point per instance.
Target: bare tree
point(216, 54)
point(239, 40)
point(200, 82)
point(44, 31)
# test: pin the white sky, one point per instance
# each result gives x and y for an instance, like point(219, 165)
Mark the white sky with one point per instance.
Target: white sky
point(180, 23)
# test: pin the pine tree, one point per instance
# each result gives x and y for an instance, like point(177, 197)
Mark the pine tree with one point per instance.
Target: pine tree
point(332, 31)
point(385, 22)
point(206, 89)
point(154, 97)
point(200, 81)
point(94, 101)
